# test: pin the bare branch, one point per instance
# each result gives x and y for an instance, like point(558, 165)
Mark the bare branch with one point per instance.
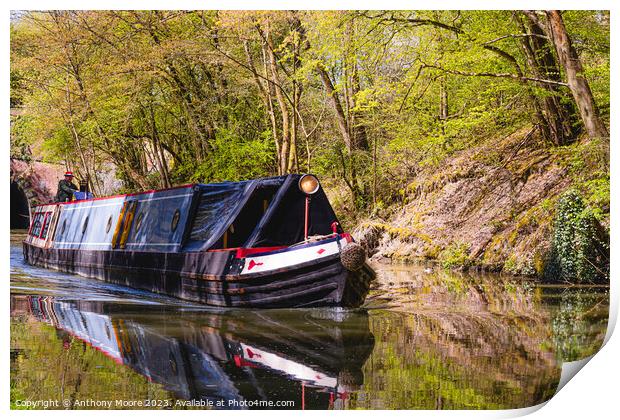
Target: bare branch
point(413, 21)
point(500, 75)
point(515, 36)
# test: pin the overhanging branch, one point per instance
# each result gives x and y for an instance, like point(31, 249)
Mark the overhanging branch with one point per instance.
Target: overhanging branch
point(500, 75)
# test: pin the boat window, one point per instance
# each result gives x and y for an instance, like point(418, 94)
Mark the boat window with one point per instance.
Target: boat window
point(175, 220)
point(107, 229)
point(36, 224)
point(85, 225)
point(46, 224)
point(216, 204)
point(64, 225)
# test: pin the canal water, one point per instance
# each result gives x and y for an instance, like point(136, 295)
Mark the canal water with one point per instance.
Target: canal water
point(425, 339)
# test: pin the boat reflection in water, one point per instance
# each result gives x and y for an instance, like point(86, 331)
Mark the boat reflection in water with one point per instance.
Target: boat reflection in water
point(311, 357)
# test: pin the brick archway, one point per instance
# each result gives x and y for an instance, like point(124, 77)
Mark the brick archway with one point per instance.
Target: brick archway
point(20, 207)
point(34, 182)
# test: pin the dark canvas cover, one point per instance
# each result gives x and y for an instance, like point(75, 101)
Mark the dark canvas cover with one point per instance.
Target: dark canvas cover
point(237, 208)
point(218, 205)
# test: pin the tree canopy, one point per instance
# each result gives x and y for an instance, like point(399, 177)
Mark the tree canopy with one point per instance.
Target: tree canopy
point(364, 98)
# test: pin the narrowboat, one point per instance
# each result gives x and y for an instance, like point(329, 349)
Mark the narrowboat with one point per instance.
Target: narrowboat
point(263, 243)
point(313, 357)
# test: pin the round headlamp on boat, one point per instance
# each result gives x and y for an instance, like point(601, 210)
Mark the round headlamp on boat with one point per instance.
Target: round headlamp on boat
point(309, 184)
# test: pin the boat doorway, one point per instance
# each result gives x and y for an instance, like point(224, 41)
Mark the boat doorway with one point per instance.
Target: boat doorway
point(20, 209)
point(240, 230)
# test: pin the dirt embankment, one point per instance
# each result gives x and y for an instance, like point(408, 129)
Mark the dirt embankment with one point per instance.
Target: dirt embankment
point(490, 207)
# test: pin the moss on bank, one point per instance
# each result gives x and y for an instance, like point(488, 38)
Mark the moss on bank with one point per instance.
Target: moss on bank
point(499, 214)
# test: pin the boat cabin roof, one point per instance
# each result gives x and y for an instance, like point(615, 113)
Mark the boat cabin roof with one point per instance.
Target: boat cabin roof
point(266, 212)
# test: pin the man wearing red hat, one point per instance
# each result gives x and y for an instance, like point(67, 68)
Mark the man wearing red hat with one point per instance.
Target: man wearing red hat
point(66, 188)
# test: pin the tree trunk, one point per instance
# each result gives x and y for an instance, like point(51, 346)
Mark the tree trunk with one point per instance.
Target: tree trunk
point(557, 117)
point(337, 106)
point(297, 90)
point(351, 177)
point(292, 158)
point(443, 109)
point(443, 99)
point(158, 151)
point(266, 94)
point(284, 112)
point(357, 130)
point(574, 75)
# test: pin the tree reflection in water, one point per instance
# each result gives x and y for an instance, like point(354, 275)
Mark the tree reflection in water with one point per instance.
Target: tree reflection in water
point(434, 340)
point(448, 340)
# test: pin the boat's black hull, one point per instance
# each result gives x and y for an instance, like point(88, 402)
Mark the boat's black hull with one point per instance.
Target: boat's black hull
point(204, 277)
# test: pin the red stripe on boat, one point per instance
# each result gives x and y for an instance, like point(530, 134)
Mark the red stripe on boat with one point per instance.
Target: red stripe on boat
point(244, 252)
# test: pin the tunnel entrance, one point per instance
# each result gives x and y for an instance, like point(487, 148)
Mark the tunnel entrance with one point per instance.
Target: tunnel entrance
point(20, 217)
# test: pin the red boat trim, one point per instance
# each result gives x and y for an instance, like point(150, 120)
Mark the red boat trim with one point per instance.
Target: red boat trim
point(32, 223)
point(222, 250)
point(241, 362)
point(47, 214)
point(244, 252)
point(118, 360)
point(347, 236)
point(256, 252)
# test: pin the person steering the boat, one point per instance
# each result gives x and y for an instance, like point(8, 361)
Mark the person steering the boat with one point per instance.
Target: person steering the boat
point(66, 188)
